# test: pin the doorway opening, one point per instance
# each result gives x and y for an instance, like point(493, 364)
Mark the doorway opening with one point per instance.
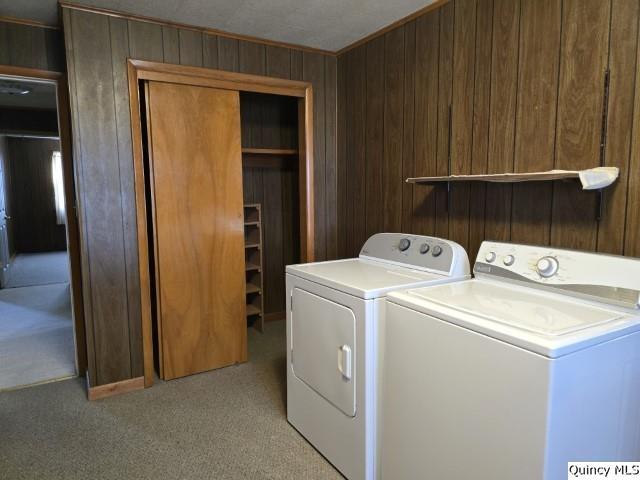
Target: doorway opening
point(40, 315)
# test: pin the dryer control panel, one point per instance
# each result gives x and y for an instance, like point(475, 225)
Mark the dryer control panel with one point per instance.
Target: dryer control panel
point(417, 251)
point(609, 278)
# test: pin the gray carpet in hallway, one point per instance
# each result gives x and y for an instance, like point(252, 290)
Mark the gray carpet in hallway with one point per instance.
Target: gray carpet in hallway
point(29, 269)
point(226, 424)
point(36, 335)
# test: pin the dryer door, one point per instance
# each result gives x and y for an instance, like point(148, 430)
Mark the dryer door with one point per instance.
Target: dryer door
point(324, 348)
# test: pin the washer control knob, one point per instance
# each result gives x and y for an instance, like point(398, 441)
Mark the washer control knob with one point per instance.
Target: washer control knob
point(509, 260)
point(424, 248)
point(490, 257)
point(404, 244)
point(547, 267)
point(437, 250)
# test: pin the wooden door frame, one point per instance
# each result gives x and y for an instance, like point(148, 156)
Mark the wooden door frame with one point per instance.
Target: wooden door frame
point(141, 70)
point(59, 80)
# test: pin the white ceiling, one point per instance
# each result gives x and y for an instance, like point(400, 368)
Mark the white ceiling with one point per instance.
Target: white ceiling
point(325, 24)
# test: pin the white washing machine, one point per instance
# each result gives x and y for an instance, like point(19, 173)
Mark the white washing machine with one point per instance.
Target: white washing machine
point(530, 365)
point(334, 312)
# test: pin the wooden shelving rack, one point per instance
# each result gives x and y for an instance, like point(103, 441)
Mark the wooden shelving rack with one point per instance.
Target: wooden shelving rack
point(253, 264)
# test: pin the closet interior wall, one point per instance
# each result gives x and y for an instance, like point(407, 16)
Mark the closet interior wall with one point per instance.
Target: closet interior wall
point(270, 122)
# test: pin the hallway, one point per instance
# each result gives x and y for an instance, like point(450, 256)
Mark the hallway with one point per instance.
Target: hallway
point(36, 329)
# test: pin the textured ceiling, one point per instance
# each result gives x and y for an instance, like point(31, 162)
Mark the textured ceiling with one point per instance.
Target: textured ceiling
point(325, 24)
point(42, 95)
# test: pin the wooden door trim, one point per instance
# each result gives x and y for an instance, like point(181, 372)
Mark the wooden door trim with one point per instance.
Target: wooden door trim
point(139, 70)
point(70, 180)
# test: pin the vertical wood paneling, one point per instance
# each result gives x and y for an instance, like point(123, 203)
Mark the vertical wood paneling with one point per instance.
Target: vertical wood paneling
point(342, 140)
point(358, 177)
point(171, 45)
point(426, 121)
point(622, 65)
point(33, 224)
point(331, 156)
point(445, 75)
point(393, 131)
point(462, 114)
point(504, 81)
point(481, 121)
point(190, 47)
point(31, 47)
point(209, 51)
point(228, 54)
point(102, 209)
point(145, 41)
point(583, 62)
point(525, 82)
point(540, 25)
point(373, 121)
point(97, 47)
point(408, 113)
point(632, 230)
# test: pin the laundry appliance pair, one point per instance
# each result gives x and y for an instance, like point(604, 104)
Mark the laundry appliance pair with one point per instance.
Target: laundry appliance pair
point(399, 366)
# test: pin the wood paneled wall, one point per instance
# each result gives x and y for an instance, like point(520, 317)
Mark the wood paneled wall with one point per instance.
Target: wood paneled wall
point(29, 121)
point(270, 121)
point(34, 226)
point(97, 47)
point(521, 82)
point(31, 47)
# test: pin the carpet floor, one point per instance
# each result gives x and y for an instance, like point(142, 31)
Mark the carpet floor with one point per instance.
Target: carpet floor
point(36, 335)
point(225, 424)
point(38, 269)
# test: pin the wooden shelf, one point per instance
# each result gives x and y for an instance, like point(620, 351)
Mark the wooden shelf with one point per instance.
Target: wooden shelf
point(252, 266)
point(253, 263)
point(269, 151)
point(602, 174)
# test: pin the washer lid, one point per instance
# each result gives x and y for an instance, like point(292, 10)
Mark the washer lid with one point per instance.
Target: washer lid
point(364, 278)
point(517, 307)
point(546, 323)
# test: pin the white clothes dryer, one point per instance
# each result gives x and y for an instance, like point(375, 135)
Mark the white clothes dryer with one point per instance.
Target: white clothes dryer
point(335, 311)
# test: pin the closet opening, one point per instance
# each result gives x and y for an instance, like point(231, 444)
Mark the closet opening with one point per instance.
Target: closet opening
point(224, 197)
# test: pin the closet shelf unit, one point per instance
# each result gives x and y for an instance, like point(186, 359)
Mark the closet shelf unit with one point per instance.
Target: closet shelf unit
point(253, 265)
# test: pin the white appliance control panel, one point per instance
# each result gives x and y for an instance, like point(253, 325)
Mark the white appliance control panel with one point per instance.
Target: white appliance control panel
point(609, 278)
point(417, 251)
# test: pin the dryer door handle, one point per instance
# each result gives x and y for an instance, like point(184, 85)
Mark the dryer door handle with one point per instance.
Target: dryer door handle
point(344, 361)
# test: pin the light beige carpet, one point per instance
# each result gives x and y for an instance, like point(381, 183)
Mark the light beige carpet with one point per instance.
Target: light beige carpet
point(225, 424)
point(36, 335)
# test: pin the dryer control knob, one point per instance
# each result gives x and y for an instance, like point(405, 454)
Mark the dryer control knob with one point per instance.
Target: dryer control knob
point(437, 250)
point(509, 260)
point(404, 244)
point(490, 257)
point(547, 267)
point(424, 248)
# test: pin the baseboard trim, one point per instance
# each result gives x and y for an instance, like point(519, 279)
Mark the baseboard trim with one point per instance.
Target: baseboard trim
point(272, 317)
point(116, 388)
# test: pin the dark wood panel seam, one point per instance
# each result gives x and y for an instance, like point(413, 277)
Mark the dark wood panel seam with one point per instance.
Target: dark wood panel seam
point(555, 132)
point(629, 161)
point(86, 258)
point(515, 117)
point(122, 217)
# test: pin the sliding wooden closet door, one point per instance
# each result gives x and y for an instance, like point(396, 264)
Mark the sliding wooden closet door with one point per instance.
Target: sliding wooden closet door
point(196, 176)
